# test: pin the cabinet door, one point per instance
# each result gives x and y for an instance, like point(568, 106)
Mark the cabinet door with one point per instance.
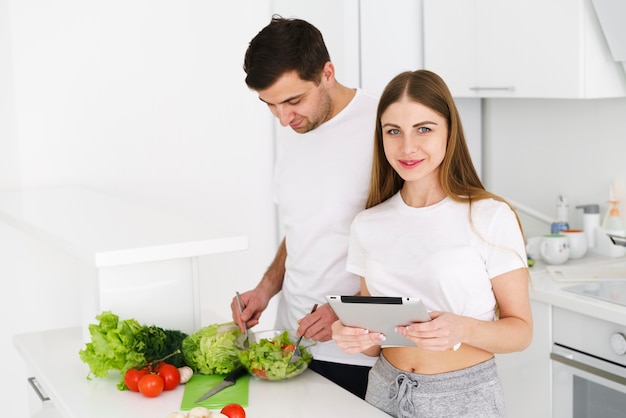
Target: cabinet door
point(391, 41)
point(528, 49)
point(526, 375)
point(503, 48)
point(450, 43)
point(512, 48)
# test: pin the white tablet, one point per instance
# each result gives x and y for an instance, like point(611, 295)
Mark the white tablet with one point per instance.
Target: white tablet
point(380, 314)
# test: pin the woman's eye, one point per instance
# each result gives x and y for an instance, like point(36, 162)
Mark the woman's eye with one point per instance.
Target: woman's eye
point(295, 102)
point(423, 130)
point(393, 131)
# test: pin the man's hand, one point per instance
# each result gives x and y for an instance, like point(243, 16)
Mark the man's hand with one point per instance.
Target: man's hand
point(253, 303)
point(317, 326)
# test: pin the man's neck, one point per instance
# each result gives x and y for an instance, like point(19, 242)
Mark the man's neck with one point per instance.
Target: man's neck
point(341, 97)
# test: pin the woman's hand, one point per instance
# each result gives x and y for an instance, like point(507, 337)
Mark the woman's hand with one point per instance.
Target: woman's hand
point(444, 332)
point(354, 340)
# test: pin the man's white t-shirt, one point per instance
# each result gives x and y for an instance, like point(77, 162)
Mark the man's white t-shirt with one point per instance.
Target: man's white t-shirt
point(435, 253)
point(321, 182)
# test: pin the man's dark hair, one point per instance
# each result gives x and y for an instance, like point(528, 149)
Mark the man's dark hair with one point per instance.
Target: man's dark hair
point(282, 46)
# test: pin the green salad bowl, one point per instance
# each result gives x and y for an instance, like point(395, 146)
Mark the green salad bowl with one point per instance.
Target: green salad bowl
point(269, 354)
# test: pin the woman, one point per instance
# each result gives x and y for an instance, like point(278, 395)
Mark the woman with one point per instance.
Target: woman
point(432, 231)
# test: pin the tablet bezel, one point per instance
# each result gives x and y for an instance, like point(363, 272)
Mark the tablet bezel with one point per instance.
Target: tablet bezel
point(380, 314)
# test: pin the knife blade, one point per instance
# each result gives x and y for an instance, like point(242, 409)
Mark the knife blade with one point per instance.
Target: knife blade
point(229, 380)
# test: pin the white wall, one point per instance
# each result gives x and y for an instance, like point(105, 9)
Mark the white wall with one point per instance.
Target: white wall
point(9, 159)
point(144, 99)
point(535, 150)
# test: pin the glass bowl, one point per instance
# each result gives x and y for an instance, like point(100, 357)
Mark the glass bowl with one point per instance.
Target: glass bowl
point(269, 353)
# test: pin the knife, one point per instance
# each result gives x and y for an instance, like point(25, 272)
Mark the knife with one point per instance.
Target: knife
point(229, 380)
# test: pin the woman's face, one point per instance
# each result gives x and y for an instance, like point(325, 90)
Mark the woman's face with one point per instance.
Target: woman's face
point(414, 140)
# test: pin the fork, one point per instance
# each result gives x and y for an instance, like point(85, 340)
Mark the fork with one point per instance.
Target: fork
point(242, 340)
point(296, 352)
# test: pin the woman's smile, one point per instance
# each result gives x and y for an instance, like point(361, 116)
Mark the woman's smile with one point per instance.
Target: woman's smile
point(410, 163)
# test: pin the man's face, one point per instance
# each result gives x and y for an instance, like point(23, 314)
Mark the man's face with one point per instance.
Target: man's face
point(302, 105)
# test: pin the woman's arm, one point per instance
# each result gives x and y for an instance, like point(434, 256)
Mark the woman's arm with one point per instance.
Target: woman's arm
point(512, 331)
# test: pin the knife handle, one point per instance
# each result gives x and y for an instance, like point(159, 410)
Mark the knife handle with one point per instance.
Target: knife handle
point(235, 374)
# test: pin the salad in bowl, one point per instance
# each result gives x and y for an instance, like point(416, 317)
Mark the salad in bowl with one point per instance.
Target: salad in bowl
point(269, 354)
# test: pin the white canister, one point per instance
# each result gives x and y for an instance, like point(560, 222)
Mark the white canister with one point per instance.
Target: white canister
point(554, 248)
point(591, 221)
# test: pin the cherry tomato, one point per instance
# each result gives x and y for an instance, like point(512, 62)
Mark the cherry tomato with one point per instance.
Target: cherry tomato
point(151, 385)
point(170, 376)
point(132, 376)
point(260, 373)
point(234, 410)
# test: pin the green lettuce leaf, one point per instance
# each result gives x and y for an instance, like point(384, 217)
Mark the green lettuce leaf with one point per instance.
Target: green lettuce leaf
point(113, 345)
point(211, 350)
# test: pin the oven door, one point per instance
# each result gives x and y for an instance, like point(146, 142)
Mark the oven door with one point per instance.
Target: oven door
point(586, 387)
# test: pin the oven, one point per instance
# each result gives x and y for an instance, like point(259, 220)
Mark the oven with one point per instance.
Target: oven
point(588, 366)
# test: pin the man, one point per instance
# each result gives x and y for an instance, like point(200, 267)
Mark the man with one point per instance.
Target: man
point(321, 181)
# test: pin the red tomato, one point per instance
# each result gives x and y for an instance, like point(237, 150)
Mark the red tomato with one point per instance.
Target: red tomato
point(132, 376)
point(151, 385)
point(170, 376)
point(260, 373)
point(234, 410)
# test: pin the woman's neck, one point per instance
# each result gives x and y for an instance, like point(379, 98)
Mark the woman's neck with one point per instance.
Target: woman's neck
point(421, 198)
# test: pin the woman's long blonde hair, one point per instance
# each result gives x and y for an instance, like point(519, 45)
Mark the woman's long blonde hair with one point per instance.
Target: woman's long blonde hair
point(457, 175)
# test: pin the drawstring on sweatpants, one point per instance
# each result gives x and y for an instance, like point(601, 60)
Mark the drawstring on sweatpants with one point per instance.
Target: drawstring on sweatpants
point(403, 387)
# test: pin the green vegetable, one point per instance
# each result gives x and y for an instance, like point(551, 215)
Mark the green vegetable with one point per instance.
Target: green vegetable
point(120, 345)
point(269, 358)
point(211, 350)
point(112, 345)
point(158, 343)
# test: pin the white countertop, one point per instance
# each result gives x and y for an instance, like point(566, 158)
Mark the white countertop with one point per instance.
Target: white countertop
point(548, 287)
point(53, 356)
point(104, 230)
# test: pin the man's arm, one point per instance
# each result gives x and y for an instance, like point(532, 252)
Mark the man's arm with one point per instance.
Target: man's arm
point(255, 301)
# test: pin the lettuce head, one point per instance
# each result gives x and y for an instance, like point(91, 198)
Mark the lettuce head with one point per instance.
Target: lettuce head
point(211, 350)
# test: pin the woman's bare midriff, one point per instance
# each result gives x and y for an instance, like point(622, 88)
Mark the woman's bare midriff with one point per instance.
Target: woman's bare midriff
point(416, 360)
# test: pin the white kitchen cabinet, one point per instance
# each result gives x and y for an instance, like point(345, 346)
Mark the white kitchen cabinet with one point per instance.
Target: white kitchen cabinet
point(526, 375)
point(521, 49)
point(123, 257)
point(369, 41)
point(390, 41)
point(67, 253)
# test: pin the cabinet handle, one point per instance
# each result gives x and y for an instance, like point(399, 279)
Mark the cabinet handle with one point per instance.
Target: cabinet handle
point(38, 389)
point(509, 88)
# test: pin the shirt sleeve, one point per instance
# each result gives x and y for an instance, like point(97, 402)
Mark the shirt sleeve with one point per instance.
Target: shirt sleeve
point(504, 248)
point(356, 254)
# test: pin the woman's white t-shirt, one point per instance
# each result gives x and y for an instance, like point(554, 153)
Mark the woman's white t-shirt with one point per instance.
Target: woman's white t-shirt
point(435, 253)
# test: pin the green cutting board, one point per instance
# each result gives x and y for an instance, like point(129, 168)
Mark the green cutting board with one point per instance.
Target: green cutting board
point(199, 384)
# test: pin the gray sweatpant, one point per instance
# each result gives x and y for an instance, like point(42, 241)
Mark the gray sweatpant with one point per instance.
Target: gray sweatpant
point(475, 392)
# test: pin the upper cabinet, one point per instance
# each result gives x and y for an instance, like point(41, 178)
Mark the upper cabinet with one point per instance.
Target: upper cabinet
point(520, 49)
